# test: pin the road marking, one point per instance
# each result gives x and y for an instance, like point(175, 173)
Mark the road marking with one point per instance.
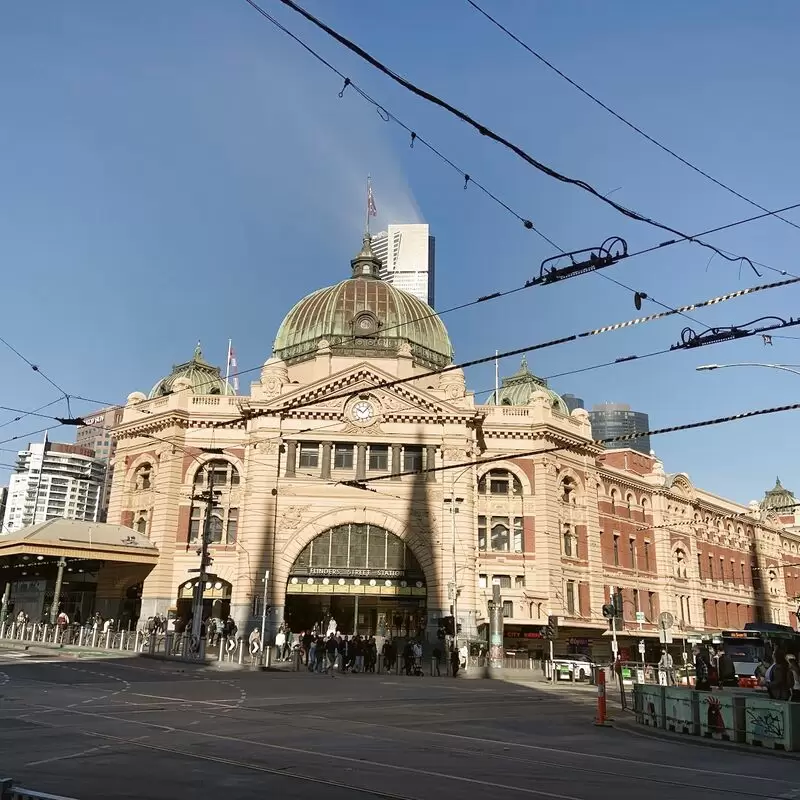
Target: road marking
point(223, 703)
point(78, 754)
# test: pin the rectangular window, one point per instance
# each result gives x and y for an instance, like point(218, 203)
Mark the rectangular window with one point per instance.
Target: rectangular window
point(681, 608)
point(309, 455)
point(566, 538)
point(571, 598)
point(412, 458)
point(517, 534)
point(647, 556)
point(699, 565)
point(688, 611)
point(508, 609)
point(636, 606)
point(651, 605)
point(215, 526)
point(483, 581)
point(632, 552)
point(721, 568)
point(711, 566)
point(379, 456)
point(503, 580)
point(343, 456)
point(733, 571)
point(500, 534)
point(616, 549)
point(195, 523)
point(233, 525)
point(498, 483)
point(744, 575)
point(519, 582)
point(481, 533)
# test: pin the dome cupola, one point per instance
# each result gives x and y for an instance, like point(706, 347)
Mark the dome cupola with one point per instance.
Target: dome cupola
point(197, 375)
point(364, 317)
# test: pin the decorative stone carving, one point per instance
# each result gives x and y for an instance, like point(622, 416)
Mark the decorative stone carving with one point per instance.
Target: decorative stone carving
point(404, 350)
point(292, 518)
point(274, 376)
point(453, 384)
point(136, 397)
point(455, 454)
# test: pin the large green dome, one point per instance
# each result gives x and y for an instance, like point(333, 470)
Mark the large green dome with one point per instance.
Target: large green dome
point(364, 316)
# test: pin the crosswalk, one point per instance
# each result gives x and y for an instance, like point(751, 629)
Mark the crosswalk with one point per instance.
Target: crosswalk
point(26, 658)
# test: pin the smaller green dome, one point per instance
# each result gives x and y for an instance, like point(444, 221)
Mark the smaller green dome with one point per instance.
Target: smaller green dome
point(201, 377)
point(518, 389)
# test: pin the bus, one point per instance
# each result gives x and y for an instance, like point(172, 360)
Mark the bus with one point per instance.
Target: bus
point(755, 644)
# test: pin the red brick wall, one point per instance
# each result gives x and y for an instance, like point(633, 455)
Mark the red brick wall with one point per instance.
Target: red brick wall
point(127, 519)
point(584, 603)
point(184, 516)
point(710, 613)
point(582, 537)
point(628, 460)
point(529, 534)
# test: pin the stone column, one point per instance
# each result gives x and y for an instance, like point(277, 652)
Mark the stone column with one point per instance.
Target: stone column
point(57, 591)
point(430, 461)
point(396, 462)
point(291, 458)
point(325, 472)
point(361, 461)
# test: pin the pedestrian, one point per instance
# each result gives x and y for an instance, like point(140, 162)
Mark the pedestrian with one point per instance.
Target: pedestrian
point(780, 679)
point(437, 657)
point(312, 654)
point(254, 644)
point(702, 677)
point(280, 643)
point(795, 672)
point(358, 647)
point(332, 653)
point(665, 668)
point(455, 662)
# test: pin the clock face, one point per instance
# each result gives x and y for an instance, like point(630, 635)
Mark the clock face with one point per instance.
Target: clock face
point(365, 324)
point(363, 411)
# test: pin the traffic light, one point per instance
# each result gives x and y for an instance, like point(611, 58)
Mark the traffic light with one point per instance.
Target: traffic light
point(617, 600)
point(551, 629)
point(449, 625)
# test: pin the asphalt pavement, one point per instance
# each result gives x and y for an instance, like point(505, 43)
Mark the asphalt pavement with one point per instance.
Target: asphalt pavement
point(134, 728)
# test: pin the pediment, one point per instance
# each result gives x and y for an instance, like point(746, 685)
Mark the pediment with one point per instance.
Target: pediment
point(334, 395)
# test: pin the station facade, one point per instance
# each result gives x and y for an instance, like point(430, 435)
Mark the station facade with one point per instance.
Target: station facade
point(361, 480)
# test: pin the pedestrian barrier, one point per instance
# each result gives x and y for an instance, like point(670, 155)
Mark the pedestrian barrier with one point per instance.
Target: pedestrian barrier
point(10, 792)
point(725, 715)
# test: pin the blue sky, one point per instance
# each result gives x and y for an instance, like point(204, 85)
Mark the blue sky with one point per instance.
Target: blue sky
point(181, 171)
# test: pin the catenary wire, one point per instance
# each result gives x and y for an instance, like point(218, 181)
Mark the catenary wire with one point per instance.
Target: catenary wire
point(30, 413)
point(505, 293)
point(490, 134)
point(688, 426)
point(525, 349)
point(619, 116)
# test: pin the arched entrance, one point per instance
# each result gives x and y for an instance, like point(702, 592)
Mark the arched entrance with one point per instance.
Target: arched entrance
point(362, 576)
point(216, 598)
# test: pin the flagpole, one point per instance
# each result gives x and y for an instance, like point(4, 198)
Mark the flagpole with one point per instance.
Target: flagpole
point(496, 378)
point(228, 362)
point(369, 186)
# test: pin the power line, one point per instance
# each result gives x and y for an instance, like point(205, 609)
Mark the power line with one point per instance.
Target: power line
point(597, 442)
point(38, 370)
point(30, 413)
point(490, 134)
point(526, 349)
point(619, 116)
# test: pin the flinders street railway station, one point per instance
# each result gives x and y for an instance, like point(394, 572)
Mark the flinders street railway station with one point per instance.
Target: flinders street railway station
point(352, 392)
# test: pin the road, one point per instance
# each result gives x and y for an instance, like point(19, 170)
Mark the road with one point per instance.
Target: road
point(133, 728)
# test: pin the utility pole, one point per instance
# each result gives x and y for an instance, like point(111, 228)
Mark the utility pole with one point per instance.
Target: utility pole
point(496, 628)
point(197, 609)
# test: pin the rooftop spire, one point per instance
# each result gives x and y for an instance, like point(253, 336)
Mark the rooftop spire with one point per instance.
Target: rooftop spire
point(198, 353)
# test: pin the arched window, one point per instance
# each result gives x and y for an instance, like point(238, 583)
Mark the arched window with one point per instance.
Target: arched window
point(613, 495)
point(680, 563)
point(499, 482)
point(644, 509)
point(629, 501)
point(222, 526)
point(143, 477)
point(500, 535)
point(568, 490)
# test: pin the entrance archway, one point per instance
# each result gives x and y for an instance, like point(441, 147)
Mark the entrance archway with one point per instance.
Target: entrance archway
point(216, 598)
point(362, 576)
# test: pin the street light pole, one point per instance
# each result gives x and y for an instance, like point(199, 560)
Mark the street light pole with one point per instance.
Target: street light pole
point(454, 502)
point(793, 368)
point(197, 611)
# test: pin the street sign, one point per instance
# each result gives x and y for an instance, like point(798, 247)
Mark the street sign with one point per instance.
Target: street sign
point(666, 620)
point(640, 616)
point(641, 647)
point(665, 636)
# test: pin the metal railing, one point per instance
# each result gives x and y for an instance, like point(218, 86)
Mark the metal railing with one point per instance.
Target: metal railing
point(10, 792)
point(167, 645)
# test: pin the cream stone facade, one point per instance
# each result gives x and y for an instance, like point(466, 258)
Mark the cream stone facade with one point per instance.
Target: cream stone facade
point(339, 471)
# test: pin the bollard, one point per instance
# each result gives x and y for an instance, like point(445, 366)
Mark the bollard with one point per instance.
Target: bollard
point(241, 650)
point(297, 660)
point(221, 650)
point(122, 640)
point(138, 641)
point(152, 648)
point(108, 639)
point(600, 719)
point(95, 632)
point(267, 656)
point(80, 637)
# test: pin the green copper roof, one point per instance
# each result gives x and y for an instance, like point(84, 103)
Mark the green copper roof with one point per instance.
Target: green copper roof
point(202, 376)
point(518, 389)
point(364, 316)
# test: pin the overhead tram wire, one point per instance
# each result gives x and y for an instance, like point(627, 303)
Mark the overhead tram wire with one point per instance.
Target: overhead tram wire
point(669, 151)
point(527, 348)
point(30, 413)
point(688, 426)
point(490, 134)
point(388, 116)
